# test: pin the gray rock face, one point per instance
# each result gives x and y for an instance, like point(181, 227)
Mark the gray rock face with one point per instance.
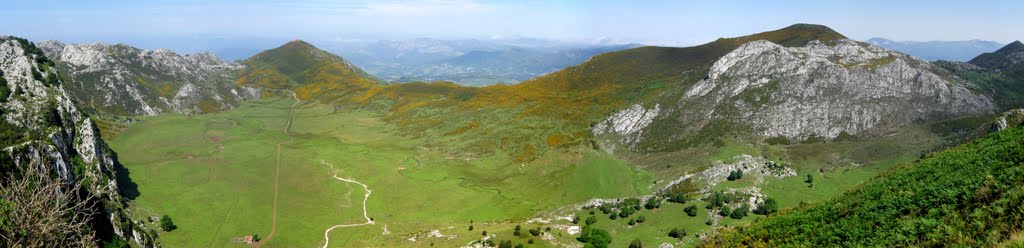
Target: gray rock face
point(819, 90)
point(124, 80)
point(65, 138)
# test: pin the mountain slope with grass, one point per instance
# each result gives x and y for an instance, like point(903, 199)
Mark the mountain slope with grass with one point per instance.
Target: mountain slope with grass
point(309, 71)
point(1009, 60)
point(125, 81)
point(969, 195)
point(62, 186)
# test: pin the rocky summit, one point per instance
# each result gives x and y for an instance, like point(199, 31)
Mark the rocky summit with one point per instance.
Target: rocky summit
point(124, 80)
point(822, 89)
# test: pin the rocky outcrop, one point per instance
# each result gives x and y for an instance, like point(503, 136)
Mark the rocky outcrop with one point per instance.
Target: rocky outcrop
point(123, 80)
point(1008, 119)
point(818, 90)
point(55, 135)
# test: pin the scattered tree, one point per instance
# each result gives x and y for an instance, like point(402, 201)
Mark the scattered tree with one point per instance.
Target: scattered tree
point(691, 210)
point(636, 244)
point(677, 197)
point(593, 237)
point(725, 211)
point(769, 206)
point(167, 224)
point(677, 233)
point(739, 213)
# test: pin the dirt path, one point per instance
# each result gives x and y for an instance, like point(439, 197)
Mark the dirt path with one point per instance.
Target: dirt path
point(277, 173)
point(327, 238)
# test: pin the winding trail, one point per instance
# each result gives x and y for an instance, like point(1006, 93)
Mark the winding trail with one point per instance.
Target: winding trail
point(277, 173)
point(327, 238)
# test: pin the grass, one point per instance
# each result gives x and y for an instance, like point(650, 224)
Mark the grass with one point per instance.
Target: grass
point(213, 174)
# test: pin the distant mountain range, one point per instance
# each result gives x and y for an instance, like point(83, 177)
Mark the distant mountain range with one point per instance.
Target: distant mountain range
point(470, 62)
point(939, 50)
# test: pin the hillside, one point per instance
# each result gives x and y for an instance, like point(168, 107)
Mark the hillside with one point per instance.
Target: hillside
point(967, 196)
point(124, 80)
point(48, 143)
point(1009, 60)
point(557, 109)
point(309, 71)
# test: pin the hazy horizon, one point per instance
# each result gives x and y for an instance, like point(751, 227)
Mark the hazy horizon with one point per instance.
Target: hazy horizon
point(193, 26)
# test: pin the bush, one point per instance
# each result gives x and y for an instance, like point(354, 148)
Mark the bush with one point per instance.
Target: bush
point(591, 220)
point(636, 244)
point(769, 206)
point(631, 222)
point(167, 224)
point(593, 237)
point(652, 203)
point(691, 210)
point(677, 233)
point(677, 197)
point(535, 232)
point(640, 219)
point(725, 211)
point(613, 216)
point(576, 219)
point(739, 213)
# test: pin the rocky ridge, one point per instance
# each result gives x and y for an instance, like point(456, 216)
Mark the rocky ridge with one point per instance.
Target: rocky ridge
point(56, 136)
point(123, 80)
point(822, 89)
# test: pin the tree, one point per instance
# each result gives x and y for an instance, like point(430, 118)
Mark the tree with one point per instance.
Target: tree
point(519, 245)
point(636, 244)
point(677, 197)
point(652, 203)
point(591, 212)
point(810, 179)
point(576, 219)
point(529, 241)
point(516, 232)
point(591, 220)
point(631, 222)
point(769, 206)
point(593, 237)
point(535, 232)
point(484, 233)
point(167, 224)
point(255, 237)
point(739, 213)
point(725, 211)
point(51, 79)
point(640, 219)
point(677, 233)
point(505, 244)
point(471, 227)
point(691, 210)
point(613, 216)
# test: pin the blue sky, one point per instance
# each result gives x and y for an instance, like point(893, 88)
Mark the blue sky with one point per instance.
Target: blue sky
point(197, 25)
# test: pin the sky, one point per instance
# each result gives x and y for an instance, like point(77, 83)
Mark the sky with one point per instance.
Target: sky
point(197, 25)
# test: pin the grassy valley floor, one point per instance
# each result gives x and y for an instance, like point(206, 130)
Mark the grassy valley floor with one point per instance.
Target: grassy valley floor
point(214, 175)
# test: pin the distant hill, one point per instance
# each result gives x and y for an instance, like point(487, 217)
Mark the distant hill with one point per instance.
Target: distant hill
point(939, 50)
point(307, 70)
point(1009, 60)
point(470, 62)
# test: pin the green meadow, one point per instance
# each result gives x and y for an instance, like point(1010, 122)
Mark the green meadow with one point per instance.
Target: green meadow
point(214, 175)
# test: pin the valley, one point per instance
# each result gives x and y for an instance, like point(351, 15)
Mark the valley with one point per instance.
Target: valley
point(221, 167)
point(753, 136)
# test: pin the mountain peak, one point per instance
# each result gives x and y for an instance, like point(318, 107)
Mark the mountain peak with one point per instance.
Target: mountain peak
point(297, 43)
point(1012, 47)
point(794, 35)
